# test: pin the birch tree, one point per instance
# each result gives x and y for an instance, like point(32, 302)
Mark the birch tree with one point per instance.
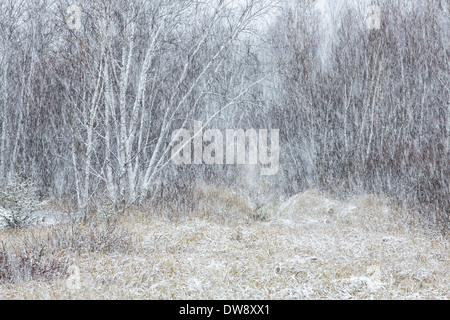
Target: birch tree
point(144, 65)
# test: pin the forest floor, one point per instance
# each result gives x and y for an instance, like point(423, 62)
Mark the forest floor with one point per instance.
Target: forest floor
point(306, 247)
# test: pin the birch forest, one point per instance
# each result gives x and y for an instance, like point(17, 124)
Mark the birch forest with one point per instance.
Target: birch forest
point(92, 93)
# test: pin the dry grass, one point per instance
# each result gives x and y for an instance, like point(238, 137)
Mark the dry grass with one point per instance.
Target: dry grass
point(220, 203)
point(312, 247)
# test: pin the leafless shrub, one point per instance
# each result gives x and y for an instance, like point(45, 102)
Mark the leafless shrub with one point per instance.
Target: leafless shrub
point(31, 263)
point(43, 253)
point(93, 236)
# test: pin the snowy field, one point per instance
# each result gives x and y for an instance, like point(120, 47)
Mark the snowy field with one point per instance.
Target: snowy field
point(307, 247)
point(189, 138)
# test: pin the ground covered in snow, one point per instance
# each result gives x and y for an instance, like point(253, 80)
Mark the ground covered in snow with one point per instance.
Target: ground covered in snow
point(307, 247)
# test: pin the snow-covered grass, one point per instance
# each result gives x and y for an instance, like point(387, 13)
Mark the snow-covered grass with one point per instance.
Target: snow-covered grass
point(309, 247)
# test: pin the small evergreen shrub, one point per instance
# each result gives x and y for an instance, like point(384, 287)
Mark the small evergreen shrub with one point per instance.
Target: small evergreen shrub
point(18, 205)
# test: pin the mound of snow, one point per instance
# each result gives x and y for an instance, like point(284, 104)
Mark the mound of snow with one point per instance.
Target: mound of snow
point(366, 211)
point(306, 203)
